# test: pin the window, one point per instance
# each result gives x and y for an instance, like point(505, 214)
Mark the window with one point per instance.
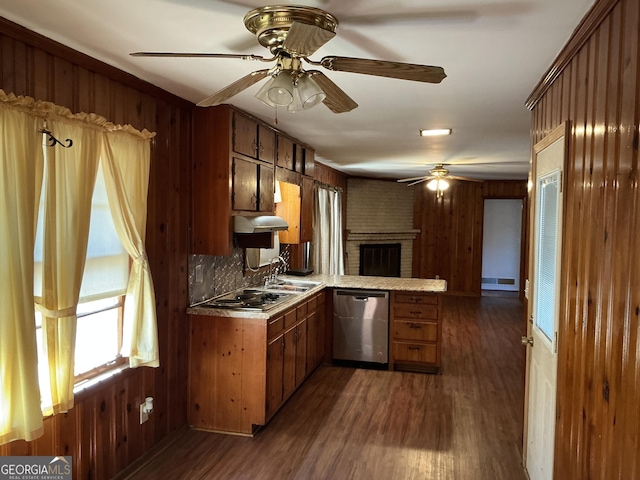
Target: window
point(99, 331)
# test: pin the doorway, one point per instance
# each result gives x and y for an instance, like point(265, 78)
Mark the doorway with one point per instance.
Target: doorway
point(502, 244)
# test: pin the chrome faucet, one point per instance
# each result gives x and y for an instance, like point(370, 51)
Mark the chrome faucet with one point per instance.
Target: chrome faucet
point(273, 272)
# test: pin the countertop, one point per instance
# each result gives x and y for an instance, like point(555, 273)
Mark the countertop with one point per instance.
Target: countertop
point(331, 281)
point(378, 283)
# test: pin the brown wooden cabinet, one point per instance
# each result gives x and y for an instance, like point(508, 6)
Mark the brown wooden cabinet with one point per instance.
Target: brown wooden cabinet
point(233, 174)
point(243, 369)
point(297, 209)
point(252, 186)
point(285, 158)
point(415, 331)
point(253, 139)
point(309, 161)
point(306, 210)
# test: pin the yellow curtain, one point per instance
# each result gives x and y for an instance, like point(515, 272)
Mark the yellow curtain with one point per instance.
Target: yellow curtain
point(70, 177)
point(69, 181)
point(125, 163)
point(20, 181)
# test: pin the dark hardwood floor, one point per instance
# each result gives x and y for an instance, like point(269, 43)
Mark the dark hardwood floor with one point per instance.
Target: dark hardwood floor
point(343, 423)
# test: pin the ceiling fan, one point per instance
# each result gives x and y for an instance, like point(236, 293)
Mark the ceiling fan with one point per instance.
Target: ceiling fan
point(437, 178)
point(292, 33)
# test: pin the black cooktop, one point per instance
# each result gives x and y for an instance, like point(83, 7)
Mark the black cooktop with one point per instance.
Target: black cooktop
point(247, 299)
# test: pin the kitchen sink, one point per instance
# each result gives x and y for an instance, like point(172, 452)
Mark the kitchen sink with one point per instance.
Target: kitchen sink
point(293, 286)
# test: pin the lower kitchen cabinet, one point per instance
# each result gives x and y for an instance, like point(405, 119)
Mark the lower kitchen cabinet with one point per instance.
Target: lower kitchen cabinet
point(415, 331)
point(241, 370)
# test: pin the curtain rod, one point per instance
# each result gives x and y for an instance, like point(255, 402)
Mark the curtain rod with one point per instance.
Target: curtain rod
point(328, 186)
point(53, 140)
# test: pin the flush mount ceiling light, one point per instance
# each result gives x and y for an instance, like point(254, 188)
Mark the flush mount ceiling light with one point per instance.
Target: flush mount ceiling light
point(292, 33)
point(435, 132)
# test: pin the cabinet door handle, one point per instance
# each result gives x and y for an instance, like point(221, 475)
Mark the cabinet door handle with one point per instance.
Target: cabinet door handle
point(254, 146)
point(254, 200)
point(414, 348)
point(415, 312)
point(415, 325)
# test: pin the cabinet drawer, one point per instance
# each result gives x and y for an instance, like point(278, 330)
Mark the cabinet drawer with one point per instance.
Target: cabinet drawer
point(290, 318)
point(302, 310)
point(408, 330)
point(312, 304)
point(275, 327)
point(419, 298)
point(413, 352)
point(425, 312)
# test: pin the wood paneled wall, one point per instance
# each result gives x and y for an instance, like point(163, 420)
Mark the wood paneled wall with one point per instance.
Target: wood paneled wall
point(102, 431)
point(594, 84)
point(330, 176)
point(450, 242)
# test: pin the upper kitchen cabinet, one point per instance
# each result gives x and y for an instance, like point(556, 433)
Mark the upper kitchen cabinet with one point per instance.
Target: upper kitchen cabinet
point(294, 156)
point(252, 186)
point(286, 149)
point(309, 161)
point(296, 208)
point(253, 139)
point(306, 210)
point(233, 174)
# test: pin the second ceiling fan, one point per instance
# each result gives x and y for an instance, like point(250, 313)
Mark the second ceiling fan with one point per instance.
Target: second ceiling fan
point(437, 178)
point(292, 33)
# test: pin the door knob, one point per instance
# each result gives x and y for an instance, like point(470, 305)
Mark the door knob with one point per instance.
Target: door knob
point(526, 341)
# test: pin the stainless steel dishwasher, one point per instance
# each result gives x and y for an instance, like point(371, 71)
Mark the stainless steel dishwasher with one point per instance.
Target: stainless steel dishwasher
point(361, 326)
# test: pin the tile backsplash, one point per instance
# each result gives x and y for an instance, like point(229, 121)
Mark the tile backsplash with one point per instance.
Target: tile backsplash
point(223, 274)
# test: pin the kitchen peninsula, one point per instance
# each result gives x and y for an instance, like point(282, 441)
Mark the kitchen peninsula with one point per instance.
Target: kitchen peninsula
point(245, 364)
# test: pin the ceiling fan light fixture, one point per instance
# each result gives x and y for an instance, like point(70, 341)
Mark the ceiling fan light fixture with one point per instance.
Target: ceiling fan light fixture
point(296, 91)
point(277, 92)
point(438, 185)
point(435, 132)
point(309, 92)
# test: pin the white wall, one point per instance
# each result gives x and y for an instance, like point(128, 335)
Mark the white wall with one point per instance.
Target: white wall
point(501, 237)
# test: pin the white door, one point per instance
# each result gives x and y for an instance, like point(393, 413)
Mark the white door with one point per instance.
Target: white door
point(544, 305)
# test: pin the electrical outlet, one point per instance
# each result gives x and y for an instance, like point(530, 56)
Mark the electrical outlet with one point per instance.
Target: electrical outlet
point(198, 273)
point(144, 415)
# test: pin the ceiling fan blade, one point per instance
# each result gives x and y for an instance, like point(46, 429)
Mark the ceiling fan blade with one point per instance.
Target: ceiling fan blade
point(336, 99)
point(424, 177)
point(248, 56)
point(303, 39)
point(233, 89)
point(417, 182)
point(466, 179)
point(381, 68)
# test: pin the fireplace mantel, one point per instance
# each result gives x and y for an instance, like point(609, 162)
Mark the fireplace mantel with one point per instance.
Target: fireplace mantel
point(358, 235)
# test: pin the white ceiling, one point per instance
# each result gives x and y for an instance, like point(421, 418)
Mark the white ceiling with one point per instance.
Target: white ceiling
point(494, 53)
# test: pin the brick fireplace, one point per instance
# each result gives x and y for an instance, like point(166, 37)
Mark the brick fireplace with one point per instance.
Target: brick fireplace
point(379, 213)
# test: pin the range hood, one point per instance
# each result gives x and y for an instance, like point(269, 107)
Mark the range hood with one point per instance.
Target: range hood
point(260, 224)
